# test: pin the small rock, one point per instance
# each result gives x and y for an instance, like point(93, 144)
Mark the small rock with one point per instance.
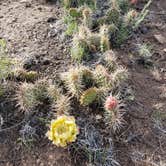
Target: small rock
point(52, 33)
point(51, 19)
point(46, 62)
point(164, 50)
point(160, 38)
point(29, 63)
point(98, 117)
point(144, 30)
point(27, 5)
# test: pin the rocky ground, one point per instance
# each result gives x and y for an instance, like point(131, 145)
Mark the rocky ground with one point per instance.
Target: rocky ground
point(34, 32)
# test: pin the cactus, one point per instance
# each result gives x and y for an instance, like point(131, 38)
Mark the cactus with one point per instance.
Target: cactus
point(110, 60)
point(73, 81)
point(23, 75)
point(86, 13)
point(74, 12)
point(25, 97)
point(53, 92)
point(142, 15)
point(87, 76)
point(31, 95)
point(102, 77)
point(80, 48)
point(130, 17)
point(104, 41)
point(77, 3)
point(62, 105)
point(113, 15)
point(119, 76)
point(88, 96)
point(113, 113)
point(115, 120)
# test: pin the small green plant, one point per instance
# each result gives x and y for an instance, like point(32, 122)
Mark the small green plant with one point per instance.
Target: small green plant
point(80, 49)
point(6, 65)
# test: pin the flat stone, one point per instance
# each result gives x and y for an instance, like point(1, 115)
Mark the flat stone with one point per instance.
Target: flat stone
point(161, 39)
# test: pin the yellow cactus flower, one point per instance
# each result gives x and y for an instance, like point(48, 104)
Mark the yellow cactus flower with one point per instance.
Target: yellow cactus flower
point(63, 130)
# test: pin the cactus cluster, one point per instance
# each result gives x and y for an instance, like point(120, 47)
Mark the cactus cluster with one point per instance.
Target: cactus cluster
point(117, 24)
point(91, 85)
point(86, 42)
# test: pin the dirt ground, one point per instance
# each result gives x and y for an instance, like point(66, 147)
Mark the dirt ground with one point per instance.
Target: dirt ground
point(33, 31)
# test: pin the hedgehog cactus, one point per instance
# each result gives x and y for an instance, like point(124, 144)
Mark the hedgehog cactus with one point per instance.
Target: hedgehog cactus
point(25, 97)
point(23, 75)
point(86, 13)
point(114, 13)
point(89, 96)
point(104, 41)
point(73, 81)
point(119, 76)
point(80, 48)
point(53, 92)
point(130, 17)
point(74, 12)
point(113, 114)
point(102, 77)
point(67, 3)
point(110, 60)
point(115, 120)
point(133, 2)
point(87, 76)
point(62, 105)
point(111, 103)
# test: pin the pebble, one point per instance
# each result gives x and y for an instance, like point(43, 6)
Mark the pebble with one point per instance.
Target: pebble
point(46, 61)
point(29, 63)
point(161, 39)
point(51, 19)
point(144, 30)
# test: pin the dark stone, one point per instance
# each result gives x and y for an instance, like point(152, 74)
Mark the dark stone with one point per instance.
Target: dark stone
point(29, 63)
point(27, 5)
point(46, 62)
point(51, 19)
point(144, 30)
